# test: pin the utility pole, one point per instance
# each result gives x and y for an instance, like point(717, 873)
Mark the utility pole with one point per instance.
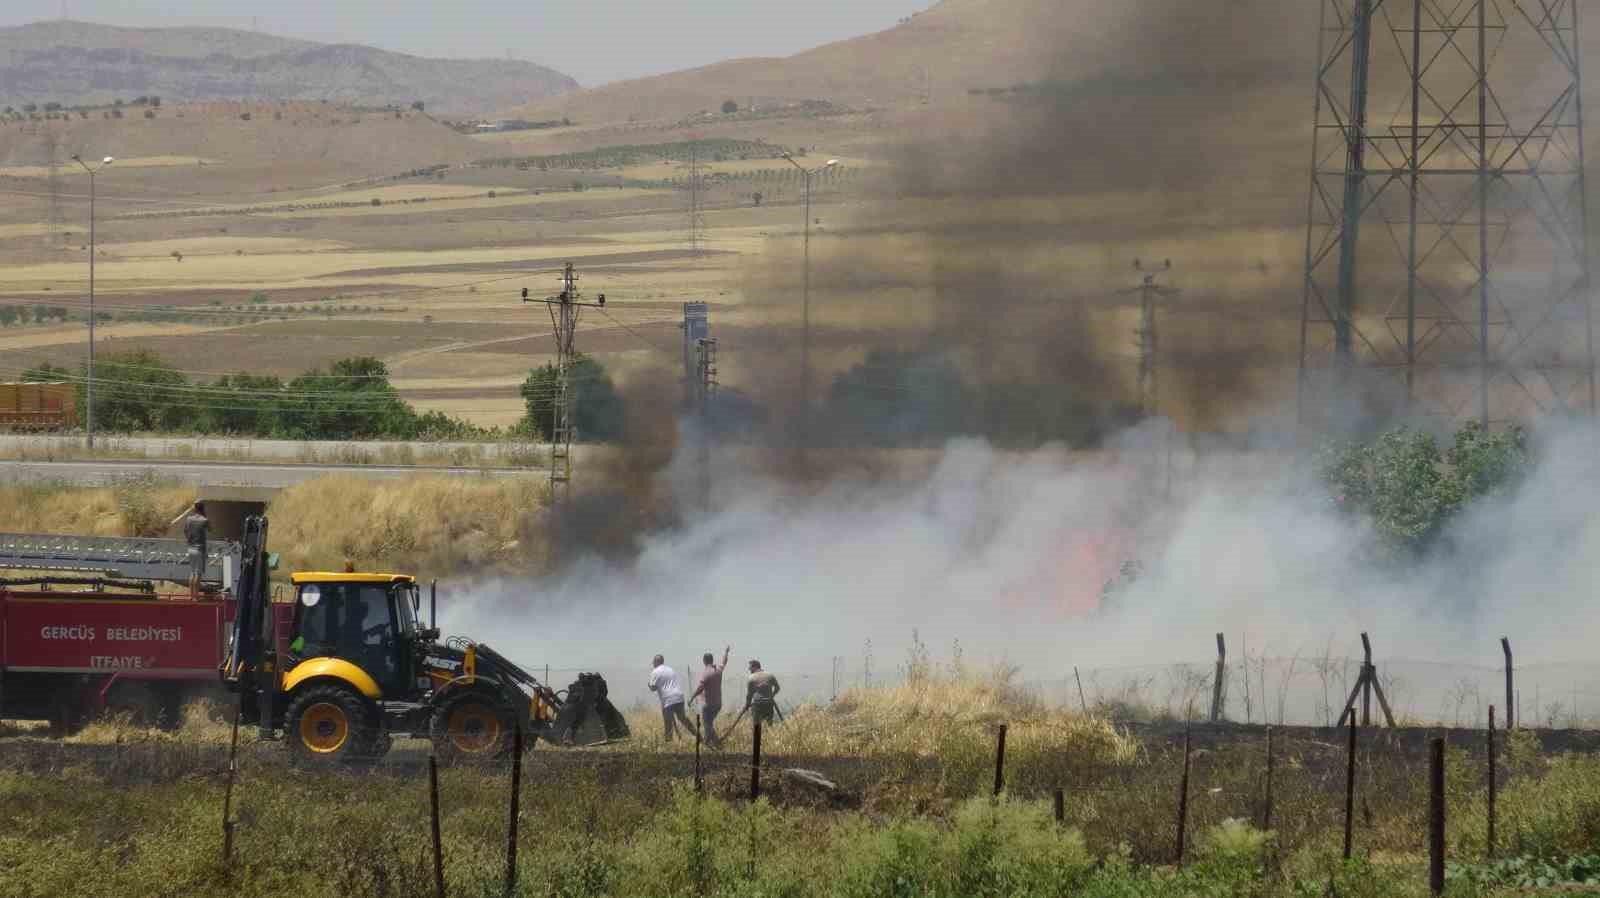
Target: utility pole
point(706, 389)
point(1149, 344)
point(805, 303)
point(88, 411)
point(565, 310)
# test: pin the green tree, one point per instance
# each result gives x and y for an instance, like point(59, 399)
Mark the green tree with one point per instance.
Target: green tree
point(8, 316)
point(729, 107)
point(597, 407)
point(44, 373)
point(137, 391)
point(353, 400)
point(1410, 491)
point(246, 405)
point(1483, 463)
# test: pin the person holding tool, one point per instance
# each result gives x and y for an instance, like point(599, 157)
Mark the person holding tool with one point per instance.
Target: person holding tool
point(665, 684)
point(710, 686)
point(761, 695)
point(195, 528)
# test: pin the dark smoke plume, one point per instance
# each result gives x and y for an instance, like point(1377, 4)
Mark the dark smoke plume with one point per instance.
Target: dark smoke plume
point(981, 287)
point(1002, 247)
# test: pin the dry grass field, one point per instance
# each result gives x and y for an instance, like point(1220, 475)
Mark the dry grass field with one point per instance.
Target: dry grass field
point(426, 279)
point(431, 525)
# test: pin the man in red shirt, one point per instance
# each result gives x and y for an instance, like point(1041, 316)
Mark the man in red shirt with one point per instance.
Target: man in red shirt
point(710, 686)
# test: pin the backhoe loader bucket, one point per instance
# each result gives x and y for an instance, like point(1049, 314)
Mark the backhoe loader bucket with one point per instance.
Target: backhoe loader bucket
point(587, 716)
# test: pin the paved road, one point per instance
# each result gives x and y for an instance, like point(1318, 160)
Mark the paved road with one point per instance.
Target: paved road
point(98, 473)
point(232, 448)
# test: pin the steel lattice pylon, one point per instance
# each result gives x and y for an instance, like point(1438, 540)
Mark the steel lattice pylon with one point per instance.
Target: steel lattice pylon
point(1446, 258)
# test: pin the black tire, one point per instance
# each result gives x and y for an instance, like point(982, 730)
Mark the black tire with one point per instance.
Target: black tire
point(329, 723)
point(472, 727)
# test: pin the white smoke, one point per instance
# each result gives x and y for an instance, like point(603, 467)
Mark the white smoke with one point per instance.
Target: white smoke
point(1007, 553)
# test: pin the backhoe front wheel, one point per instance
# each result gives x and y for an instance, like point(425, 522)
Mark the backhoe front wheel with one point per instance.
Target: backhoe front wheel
point(330, 723)
point(471, 727)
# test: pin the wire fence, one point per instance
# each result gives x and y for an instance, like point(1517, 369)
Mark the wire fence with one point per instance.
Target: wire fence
point(1383, 788)
point(1256, 689)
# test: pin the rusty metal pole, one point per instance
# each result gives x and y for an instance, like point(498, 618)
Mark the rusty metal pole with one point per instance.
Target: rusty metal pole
point(1511, 718)
point(227, 794)
point(1218, 681)
point(1436, 817)
point(516, 795)
point(433, 809)
point(1000, 762)
point(1183, 799)
point(1350, 789)
point(1489, 842)
point(755, 764)
point(1368, 673)
point(699, 776)
point(1266, 808)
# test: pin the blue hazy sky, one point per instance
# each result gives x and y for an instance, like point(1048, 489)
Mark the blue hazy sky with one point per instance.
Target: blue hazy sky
point(594, 41)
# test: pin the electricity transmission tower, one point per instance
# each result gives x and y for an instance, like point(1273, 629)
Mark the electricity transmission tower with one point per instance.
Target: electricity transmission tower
point(1148, 342)
point(1446, 258)
point(565, 309)
point(697, 219)
point(1149, 378)
point(706, 389)
point(53, 220)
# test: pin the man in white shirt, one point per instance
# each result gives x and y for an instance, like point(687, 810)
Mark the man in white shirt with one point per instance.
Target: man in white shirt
point(665, 684)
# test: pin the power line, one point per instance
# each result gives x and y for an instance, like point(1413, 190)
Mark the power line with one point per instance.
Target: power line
point(636, 335)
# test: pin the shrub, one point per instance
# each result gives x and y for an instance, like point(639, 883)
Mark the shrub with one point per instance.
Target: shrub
point(1234, 853)
point(139, 504)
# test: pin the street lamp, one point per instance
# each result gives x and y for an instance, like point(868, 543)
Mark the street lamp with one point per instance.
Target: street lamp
point(88, 412)
point(805, 302)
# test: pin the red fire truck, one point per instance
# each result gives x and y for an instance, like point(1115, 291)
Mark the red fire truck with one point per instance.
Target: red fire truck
point(98, 624)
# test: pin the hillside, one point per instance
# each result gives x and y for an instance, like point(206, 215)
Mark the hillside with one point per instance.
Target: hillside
point(77, 63)
point(241, 140)
point(959, 46)
point(955, 45)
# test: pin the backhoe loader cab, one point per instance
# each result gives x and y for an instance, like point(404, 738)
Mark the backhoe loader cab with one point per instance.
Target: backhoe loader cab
point(357, 668)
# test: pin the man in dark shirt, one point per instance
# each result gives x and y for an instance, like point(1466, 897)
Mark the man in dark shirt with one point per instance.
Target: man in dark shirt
point(195, 529)
point(710, 686)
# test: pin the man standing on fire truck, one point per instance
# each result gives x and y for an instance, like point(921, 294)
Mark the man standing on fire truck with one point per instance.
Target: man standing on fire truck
point(195, 528)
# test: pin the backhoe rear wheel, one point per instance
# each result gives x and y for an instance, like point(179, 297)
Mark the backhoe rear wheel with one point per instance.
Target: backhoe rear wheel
point(472, 726)
point(330, 724)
